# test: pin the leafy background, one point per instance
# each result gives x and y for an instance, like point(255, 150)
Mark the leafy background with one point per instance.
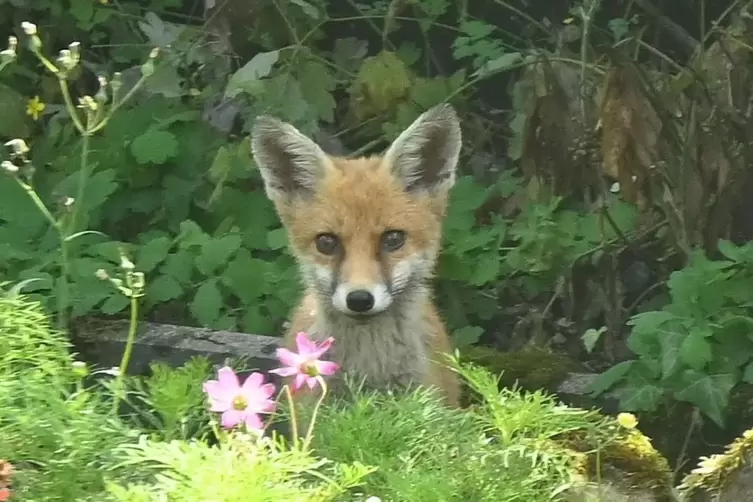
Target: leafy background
point(599, 214)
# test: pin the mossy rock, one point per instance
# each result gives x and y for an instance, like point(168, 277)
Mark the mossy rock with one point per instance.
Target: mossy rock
point(626, 467)
point(529, 368)
point(724, 477)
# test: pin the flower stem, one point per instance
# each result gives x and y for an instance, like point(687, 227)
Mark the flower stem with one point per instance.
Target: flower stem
point(126, 353)
point(310, 431)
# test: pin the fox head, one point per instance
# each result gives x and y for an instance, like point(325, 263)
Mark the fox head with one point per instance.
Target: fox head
point(366, 231)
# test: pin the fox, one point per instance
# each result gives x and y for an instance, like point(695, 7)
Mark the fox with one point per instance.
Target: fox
point(366, 234)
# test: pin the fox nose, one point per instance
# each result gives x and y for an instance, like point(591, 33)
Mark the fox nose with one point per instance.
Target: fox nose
point(359, 300)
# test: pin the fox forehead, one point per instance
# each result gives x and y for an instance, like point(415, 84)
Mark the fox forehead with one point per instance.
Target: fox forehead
point(358, 200)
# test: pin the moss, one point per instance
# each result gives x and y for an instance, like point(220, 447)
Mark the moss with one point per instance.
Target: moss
point(712, 472)
point(531, 367)
point(614, 453)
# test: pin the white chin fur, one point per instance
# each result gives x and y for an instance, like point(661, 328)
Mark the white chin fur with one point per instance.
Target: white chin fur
point(382, 298)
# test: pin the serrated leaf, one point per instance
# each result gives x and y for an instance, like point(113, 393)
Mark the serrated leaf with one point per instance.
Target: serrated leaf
point(164, 288)
point(180, 266)
point(217, 251)
point(245, 276)
point(117, 302)
point(206, 304)
point(486, 268)
point(247, 78)
point(710, 393)
point(154, 146)
point(277, 238)
point(152, 254)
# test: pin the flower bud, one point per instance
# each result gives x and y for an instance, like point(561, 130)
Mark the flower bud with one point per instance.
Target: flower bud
point(9, 167)
point(80, 369)
point(29, 28)
point(18, 147)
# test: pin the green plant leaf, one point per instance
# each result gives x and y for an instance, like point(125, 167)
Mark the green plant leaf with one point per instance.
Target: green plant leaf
point(207, 303)
point(217, 251)
point(152, 254)
point(13, 111)
point(645, 397)
point(154, 146)
point(591, 338)
point(696, 349)
point(467, 335)
point(164, 288)
point(277, 238)
point(247, 78)
point(710, 393)
point(117, 302)
point(610, 377)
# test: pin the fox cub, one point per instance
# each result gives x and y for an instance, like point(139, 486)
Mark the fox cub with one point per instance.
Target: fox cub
point(366, 233)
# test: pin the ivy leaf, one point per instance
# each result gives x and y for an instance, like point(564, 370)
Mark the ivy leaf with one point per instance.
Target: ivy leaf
point(217, 251)
point(207, 303)
point(247, 78)
point(164, 288)
point(641, 397)
point(671, 343)
point(606, 380)
point(695, 350)
point(710, 393)
point(152, 254)
point(154, 146)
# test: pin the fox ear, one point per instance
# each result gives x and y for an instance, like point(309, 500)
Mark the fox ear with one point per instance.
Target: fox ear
point(290, 163)
point(425, 155)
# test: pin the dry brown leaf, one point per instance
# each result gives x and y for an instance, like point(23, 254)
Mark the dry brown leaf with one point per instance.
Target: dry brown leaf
point(630, 133)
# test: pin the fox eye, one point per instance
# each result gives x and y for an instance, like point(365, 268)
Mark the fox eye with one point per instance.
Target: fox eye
point(392, 240)
point(327, 244)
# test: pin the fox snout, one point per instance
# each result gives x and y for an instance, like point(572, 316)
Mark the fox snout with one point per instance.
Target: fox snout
point(359, 299)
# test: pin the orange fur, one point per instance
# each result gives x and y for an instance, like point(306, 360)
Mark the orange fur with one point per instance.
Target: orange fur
point(400, 339)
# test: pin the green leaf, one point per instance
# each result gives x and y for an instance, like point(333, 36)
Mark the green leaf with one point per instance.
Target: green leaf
point(748, 373)
point(591, 337)
point(152, 254)
point(696, 349)
point(467, 335)
point(245, 276)
point(247, 78)
point(487, 268)
point(217, 251)
point(643, 397)
point(180, 266)
point(154, 146)
point(164, 288)
point(13, 111)
point(671, 343)
point(610, 377)
point(207, 303)
point(117, 302)
point(710, 393)
point(308, 9)
point(277, 238)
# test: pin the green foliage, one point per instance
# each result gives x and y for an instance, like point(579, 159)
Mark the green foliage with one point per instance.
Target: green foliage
point(698, 347)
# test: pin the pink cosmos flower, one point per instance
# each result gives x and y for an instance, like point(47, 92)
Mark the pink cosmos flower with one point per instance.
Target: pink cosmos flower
point(305, 364)
point(240, 403)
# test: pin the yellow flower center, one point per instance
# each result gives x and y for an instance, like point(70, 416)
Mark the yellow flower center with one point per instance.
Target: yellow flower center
point(240, 403)
point(310, 369)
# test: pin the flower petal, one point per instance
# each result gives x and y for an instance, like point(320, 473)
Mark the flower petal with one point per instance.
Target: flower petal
point(227, 378)
point(285, 371)
point(305, 345)
point(217, 393)
point(288, 357)
point(231, 418)
point(327, 368)
point(253, 421)
point(253, 381)
point(322, 348)
point(268, 390)
point(300, 379)
point(312, 382)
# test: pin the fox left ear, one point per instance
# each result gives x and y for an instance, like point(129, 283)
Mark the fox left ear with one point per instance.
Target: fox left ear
point(425, 155)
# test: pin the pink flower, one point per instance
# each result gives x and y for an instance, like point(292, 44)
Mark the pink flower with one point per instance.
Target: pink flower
point(240, 403)
point(305, 364)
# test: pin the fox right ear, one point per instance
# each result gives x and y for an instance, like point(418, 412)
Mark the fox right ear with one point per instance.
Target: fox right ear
point(290, 163)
